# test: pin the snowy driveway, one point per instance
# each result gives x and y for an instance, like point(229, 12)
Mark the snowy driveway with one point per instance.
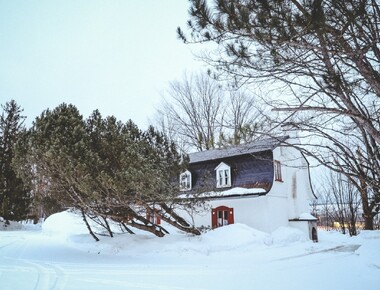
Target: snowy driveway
point(29, 260)
point(35, 260)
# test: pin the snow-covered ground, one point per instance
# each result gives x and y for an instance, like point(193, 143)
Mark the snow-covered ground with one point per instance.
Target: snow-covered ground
point(61, 255)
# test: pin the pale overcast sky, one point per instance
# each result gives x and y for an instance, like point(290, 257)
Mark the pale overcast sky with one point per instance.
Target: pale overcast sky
point(113, 55)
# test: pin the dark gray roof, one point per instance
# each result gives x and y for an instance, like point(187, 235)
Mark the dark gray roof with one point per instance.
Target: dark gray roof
point(253, 147)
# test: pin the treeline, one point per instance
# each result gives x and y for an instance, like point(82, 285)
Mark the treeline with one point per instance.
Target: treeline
point(106, 169)
point(339, 205)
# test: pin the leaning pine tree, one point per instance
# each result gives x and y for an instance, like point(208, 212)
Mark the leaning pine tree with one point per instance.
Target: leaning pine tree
point(109, 170)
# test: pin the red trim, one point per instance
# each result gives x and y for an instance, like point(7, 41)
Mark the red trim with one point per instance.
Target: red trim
point(152, 217)
point(213, 218)
point(231, 217)
point(222, 211)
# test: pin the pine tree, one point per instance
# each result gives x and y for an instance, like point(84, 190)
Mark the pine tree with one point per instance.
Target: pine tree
point(106, 169)
point(14, 196)
point(56, 149)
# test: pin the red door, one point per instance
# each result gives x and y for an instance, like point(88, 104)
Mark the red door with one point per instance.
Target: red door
point(222, 216)
point(152, 217)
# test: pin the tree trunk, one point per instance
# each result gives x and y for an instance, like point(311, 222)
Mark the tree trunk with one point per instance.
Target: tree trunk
point(367, 213)
point(352, 224)
point(178, 222)
point(190, 230)
point(368, 221)
point(151, 228)
point(367, 210)
point(88, 225)
point(107, 226)
point(171, 212)
point(127, 216)
point(126, 228)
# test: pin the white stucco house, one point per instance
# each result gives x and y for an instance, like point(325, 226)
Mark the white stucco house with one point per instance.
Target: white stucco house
point(263, 184)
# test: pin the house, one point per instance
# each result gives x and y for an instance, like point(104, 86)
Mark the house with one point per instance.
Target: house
point(264, 184)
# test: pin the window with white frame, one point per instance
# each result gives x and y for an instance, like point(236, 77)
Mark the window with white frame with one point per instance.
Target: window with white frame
point(185, 181)
point(223, 175)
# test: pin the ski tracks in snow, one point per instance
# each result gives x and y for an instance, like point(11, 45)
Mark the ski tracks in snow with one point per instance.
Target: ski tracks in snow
point(39, 275)
point(350, 249)
point(49, 276)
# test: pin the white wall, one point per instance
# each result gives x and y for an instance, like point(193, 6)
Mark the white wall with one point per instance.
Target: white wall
point(265, 213)
point(296, 181)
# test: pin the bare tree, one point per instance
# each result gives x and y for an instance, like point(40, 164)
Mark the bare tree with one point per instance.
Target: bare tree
point(324, 57)
point(342, 147)
point(322, 209)
point(193, 110)
point(344, 199)
point(243, 118)
point(201, 113)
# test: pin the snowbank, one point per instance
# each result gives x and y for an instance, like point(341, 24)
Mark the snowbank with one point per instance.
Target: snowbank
point(12, 226)
point(287, 235)
point(234, 237)
point(65, 223)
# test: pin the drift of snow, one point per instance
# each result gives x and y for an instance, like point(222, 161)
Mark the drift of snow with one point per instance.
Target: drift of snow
point(10, 226)
point(62, 255)
point(65, 223)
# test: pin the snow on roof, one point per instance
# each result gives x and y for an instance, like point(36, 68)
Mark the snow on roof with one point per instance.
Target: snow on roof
point(253, 147)
point(233, 192)
point(304, 217)
point(307, 216)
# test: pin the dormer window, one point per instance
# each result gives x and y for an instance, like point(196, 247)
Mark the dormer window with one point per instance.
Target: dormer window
point(185, 181)
point(223, 175)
